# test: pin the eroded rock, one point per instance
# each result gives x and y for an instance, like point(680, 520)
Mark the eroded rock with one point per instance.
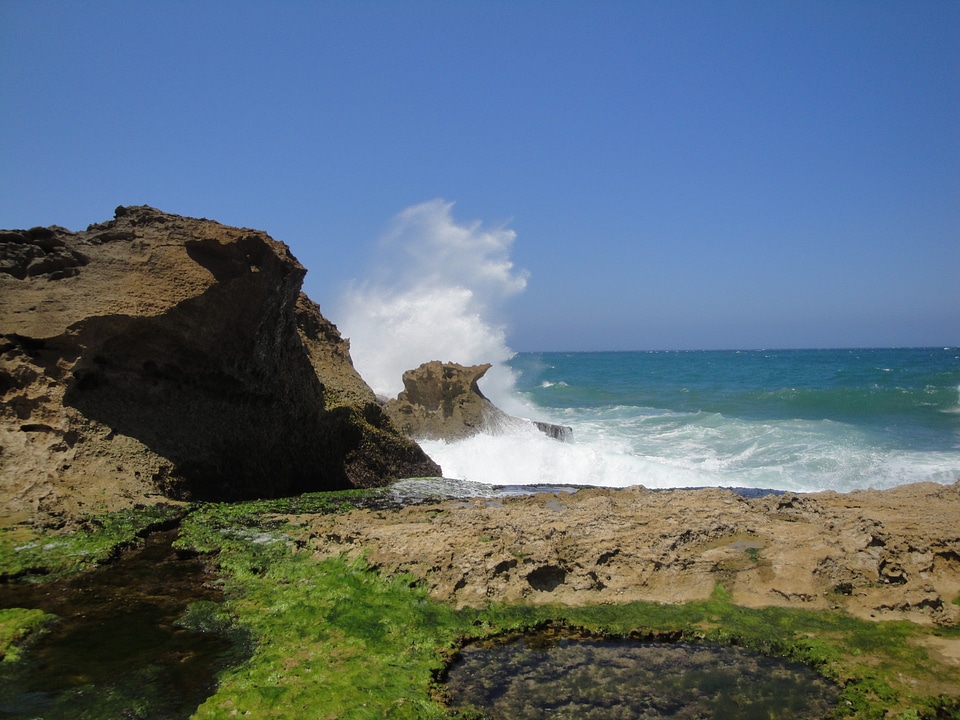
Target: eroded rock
point(443, 401)
point(612, 546)
point(163, 356)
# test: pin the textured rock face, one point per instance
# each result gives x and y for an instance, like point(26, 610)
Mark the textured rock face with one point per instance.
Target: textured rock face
point(158, 355)
point(443, 401)
point(884, 555)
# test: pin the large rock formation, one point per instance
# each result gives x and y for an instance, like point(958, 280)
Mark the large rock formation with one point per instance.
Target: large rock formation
point(443, 401)
point(161, 356)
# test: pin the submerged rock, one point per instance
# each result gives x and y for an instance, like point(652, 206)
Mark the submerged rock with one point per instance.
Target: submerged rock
point(164, 356)
point(442, 401)
point(535, 676)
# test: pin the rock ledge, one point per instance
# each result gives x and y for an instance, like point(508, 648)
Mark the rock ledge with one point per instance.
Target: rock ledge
point(881, 555)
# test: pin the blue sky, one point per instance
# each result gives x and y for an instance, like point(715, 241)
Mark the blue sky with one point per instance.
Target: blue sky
point(662, 175)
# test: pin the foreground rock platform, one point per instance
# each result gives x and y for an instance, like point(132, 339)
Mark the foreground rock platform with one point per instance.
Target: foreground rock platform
point(892, 554)
point(158, 357)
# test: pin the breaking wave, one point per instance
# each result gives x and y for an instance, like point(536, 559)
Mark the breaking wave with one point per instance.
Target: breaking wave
point(436, 292)
point(788, 420)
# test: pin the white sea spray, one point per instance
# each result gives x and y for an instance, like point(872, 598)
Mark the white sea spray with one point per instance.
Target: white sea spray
point(787, 420)
point(435, 293)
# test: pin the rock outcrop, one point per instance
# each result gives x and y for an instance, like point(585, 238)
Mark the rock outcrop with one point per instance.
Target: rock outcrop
point(885, 555)
point(442, 401)
point(159, 356)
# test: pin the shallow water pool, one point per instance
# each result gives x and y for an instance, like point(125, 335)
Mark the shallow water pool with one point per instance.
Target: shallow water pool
point(118, 648)
point(632, 680)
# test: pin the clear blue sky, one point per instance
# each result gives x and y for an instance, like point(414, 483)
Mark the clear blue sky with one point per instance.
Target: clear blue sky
point(678, 175)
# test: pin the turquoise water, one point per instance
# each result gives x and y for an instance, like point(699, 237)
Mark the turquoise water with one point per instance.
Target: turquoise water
point(789, 419)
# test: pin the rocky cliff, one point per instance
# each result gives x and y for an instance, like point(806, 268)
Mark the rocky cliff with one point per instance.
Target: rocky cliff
point(443, 401)
point(162, 356)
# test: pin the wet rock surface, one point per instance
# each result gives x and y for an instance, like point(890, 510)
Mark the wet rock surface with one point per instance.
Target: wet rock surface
point(892, 554)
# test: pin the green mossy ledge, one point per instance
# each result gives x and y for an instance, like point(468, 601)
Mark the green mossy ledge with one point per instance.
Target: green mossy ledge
point(334, 638)
point(30, 550)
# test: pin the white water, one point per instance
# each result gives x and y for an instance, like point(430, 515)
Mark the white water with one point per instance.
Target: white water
point(436, 292)
point(801, 456)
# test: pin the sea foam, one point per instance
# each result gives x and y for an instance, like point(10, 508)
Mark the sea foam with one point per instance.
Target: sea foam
point(435, 292)
point(787, 420)
point(798, 456)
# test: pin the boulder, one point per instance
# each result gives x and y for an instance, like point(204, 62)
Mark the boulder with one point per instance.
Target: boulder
point(442, 401)
point(157, 356)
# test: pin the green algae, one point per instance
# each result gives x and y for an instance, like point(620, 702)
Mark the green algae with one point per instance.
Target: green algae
point(331, 638)
point(17, 625)
point(119, 644)
point(28, 550)
point(335, 638)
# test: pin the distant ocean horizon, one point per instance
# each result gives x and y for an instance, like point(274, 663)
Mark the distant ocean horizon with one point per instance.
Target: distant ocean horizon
point(796, 420)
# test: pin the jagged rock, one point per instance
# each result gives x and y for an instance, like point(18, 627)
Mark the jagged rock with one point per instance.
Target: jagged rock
point(443, 401)
point(563, 433)
point(162, 356)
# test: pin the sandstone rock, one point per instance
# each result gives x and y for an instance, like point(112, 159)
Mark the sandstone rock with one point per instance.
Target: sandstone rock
point(443, 401)
point(879, 555)
point(162, 356)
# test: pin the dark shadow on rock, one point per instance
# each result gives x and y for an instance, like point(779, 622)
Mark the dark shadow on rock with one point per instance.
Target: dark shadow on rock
point(162, 354)
point(547, 578)
point(238, 424)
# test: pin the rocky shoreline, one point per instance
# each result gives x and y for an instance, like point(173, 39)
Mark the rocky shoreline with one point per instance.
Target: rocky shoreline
point(879, 555)
point(156, 358)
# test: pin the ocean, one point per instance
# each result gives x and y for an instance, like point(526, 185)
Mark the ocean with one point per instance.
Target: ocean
point(798, 420)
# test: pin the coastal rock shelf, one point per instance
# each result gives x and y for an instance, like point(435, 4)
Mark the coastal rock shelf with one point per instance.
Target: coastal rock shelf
point(877, 554)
